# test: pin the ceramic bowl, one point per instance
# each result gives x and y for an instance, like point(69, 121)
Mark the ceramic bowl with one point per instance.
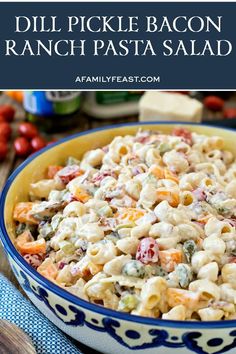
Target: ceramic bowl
point(103, 329)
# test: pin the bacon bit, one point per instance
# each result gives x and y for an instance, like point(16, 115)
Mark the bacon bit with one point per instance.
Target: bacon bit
point(97, 179)
point(137, 170)
point(231, 221)
point(35, 260)
point(232, 259)
point(105, 148)
point(200, 194)
point(108, 199)
point(61, 265)
point(69, 172)
point(142, 137)
point(184, 133)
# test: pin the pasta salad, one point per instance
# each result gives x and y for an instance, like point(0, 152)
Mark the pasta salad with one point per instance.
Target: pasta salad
point(144, 225)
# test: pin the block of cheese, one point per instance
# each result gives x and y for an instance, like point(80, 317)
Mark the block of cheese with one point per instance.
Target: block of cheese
point(167, 106)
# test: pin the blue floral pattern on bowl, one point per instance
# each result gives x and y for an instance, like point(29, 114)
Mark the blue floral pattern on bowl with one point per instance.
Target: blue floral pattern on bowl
point(128, 336)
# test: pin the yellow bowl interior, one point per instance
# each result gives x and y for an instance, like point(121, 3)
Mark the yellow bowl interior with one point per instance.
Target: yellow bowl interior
point(76, 147)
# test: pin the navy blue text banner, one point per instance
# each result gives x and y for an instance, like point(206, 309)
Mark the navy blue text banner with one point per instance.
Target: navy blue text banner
point(117, 45)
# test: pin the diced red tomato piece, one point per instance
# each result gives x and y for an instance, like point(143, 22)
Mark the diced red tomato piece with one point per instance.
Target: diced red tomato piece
point(147, 251)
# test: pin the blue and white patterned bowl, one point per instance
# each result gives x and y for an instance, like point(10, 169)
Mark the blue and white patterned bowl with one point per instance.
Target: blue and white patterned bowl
point(102, 329)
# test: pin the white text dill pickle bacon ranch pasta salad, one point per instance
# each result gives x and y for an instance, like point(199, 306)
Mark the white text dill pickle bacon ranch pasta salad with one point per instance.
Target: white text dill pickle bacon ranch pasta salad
point(144, 225)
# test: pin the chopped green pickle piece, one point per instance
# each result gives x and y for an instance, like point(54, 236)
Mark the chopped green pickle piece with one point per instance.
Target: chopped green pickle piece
point(189, 248)
point(184, 274)
point(128, 302)
point(134, 269)
point(72, 161)
point(164, 147)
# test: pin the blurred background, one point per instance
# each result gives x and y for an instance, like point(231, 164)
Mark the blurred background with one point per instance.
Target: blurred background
point(30, 120)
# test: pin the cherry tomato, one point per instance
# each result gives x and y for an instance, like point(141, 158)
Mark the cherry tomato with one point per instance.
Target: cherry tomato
point(2, 118)
point(3, 139)
point(22, 146)
point(3, 150)
point(5, 130)
point(38, 143)
point(147, 251)
point(184, 133)
point(214, 103)
point(230, 113)
point(8, 112)
point(28, 130)
point(68, 173)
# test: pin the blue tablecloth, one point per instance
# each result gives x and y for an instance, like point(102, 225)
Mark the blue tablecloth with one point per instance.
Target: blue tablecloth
point(46, 337)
